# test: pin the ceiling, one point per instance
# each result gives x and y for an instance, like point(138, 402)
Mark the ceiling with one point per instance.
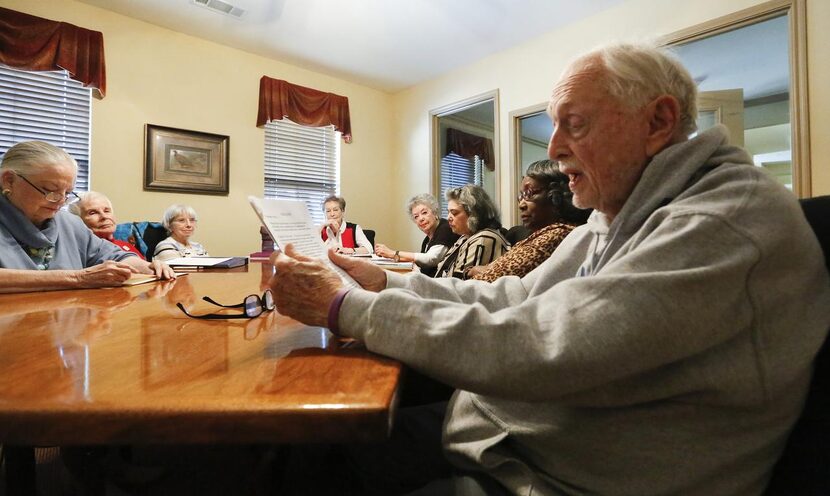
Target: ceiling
point(385, 44)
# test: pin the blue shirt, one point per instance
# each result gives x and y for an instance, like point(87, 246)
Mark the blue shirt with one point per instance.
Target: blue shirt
point(74, 245)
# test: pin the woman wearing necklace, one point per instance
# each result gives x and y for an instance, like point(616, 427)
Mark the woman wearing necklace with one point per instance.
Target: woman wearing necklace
point(180, 222)
point(475, 218)
point(424, 211)
point(43, 247)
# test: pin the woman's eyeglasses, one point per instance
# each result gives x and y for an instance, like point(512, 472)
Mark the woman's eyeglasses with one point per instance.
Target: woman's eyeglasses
point(53, 196)
point(528, 194)
point(253, 306)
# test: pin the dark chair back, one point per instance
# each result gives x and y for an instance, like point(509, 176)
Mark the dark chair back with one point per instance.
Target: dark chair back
point(804, 467)
point(153, 235)
point(517, 233)
point(370, 235)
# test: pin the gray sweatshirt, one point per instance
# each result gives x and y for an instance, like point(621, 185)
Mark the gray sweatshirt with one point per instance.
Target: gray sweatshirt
point(676, 363)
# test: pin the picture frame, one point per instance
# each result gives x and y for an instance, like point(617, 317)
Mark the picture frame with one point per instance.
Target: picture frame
point(182, 161)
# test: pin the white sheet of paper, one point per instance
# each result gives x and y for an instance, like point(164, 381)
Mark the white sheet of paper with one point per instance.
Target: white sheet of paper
point(288, 221)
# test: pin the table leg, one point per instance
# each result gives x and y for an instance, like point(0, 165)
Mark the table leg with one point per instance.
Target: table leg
point(20, 470)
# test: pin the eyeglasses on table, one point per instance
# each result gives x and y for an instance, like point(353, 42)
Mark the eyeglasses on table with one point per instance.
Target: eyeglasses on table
point(253, 306)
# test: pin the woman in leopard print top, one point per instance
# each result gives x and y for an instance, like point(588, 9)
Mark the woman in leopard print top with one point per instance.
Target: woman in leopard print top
point(547, 210)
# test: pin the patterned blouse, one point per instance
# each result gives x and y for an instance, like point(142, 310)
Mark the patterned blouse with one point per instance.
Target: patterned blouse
point(480, 248)
point(527, 254)
point(169, 248)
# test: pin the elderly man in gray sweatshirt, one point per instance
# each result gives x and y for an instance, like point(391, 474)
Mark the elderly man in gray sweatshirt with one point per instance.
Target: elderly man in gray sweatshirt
point(665, 348)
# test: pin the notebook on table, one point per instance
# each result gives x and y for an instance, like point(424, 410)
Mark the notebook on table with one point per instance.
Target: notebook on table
point(207, 262)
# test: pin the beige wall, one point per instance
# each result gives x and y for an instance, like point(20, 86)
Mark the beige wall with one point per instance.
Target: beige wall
point(162, 77)
point(818, 53)
point(526, 75)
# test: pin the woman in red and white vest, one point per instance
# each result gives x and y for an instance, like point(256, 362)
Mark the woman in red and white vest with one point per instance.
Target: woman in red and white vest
point(345, 237)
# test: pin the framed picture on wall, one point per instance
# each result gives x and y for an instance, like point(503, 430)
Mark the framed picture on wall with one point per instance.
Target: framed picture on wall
point(185, 161)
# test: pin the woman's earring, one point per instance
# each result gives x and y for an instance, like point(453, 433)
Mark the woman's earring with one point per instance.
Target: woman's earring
point(7, 192)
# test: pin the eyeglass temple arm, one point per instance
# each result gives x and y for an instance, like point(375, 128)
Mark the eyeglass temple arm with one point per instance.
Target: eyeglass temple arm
point(211, 316)
point(210, 300)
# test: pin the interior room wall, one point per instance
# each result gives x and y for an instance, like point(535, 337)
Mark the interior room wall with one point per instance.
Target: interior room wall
point(488, 177)
point(766, 114)
point(527, 73)
point(162, 77)
point(533, 151)
point(818, 52)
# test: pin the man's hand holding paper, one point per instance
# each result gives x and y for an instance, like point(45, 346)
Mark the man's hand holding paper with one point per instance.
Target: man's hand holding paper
point(305, 287)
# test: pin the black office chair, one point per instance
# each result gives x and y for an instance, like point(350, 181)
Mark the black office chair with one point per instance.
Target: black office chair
point(153, 235)
point(370, 235)
point(517, 233)
point(804, 467)
point(143, 235)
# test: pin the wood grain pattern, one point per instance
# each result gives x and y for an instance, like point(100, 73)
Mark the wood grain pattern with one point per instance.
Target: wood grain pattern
point(125, 365)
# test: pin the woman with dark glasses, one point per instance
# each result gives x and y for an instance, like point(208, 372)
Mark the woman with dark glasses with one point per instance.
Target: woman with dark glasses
point(547, 210)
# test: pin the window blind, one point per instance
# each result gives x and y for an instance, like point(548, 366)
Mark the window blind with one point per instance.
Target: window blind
point(456, 171)
point(46, 106)
point(302, 163)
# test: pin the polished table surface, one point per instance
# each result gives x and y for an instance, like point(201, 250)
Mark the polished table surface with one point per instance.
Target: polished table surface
point(125, 365)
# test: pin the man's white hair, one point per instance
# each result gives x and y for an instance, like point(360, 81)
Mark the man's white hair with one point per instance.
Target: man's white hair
point(77, 208)
point(637, 73)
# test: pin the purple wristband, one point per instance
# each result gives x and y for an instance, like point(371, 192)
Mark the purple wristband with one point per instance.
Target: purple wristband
point(334, 310)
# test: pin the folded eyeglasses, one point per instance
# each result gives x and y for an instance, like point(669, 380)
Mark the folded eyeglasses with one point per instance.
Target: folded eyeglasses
point(253, 306)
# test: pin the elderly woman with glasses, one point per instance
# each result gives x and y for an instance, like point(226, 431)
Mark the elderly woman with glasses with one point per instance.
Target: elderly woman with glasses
point(43, 247)
point(180, 222)
point(474, 217)
point(547, 210)
point(438, 237)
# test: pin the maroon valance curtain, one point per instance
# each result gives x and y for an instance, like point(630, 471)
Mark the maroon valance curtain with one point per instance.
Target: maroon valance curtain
point(36, 44)
point(306, 106)
point(469, 145)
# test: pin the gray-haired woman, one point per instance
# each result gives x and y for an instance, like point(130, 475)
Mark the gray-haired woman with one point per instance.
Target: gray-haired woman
point(424, 211)
point(475, 218)
point(344, 237)
point(42, 247)
point(180, 222)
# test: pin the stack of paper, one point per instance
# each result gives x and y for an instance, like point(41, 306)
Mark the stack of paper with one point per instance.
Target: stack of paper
point(288, 221)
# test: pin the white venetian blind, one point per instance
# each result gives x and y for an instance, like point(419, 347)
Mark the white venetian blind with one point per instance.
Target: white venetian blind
point(456, 171)
point(46, 106)
point(302, 163)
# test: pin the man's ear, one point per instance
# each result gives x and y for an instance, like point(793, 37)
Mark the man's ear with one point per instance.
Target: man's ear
point(6, 179)
point(663, 122)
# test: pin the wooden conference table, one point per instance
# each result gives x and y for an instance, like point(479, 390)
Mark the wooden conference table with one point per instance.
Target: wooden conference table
point(126, 366)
